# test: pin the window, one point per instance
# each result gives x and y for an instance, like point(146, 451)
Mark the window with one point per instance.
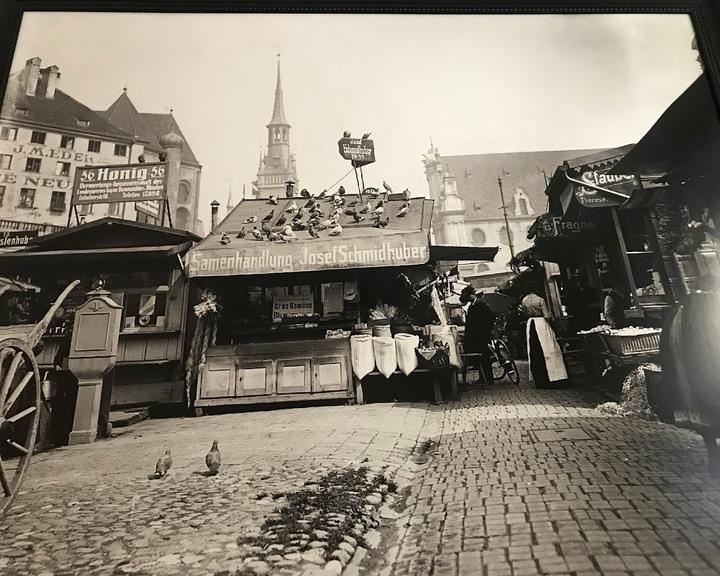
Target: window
point(182, 218)
point(21, 112)
point(503, 233)
point(5, 161)
point(27, 198)
point(114, 208)
point(478, 237)
point(145, 310)
point(33, 165)
point(85, 209)
point(2, 195)
point(120, 150)
point(145, 218)
point(62, 169)
point(67, 142)
point(38, 137)
point(8, 133)
point(82, 123)
point(57, 201)
point(183, 193)
point(94, 146)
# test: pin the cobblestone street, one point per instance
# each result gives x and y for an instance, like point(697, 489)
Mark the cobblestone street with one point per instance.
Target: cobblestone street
point(519, 481)
point(92, 509)
point(526, 481)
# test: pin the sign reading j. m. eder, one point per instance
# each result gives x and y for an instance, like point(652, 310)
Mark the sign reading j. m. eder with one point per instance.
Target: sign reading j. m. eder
point(255, 257)
point(359, 151)
point(120, 183)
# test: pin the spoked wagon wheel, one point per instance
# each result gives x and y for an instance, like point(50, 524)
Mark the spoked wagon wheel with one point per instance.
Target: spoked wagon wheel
point(19, 415)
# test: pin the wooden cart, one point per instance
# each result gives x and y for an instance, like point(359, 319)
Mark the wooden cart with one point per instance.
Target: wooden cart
point(20, 398)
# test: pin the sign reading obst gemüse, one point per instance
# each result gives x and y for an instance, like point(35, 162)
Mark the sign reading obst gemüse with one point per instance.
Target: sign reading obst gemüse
point(254, 257)
point(292, 307)
point(360, 152)
point(120, 183)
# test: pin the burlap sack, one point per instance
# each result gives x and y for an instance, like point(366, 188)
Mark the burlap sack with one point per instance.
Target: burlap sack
point(363, 358)
point(405, 346)
point(385, 355)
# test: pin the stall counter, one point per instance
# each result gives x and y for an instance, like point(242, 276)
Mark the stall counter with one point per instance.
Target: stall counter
point(275, 372)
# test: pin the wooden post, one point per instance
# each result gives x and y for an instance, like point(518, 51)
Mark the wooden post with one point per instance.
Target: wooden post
point(624, 257)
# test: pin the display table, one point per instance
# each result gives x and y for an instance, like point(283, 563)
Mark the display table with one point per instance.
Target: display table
point(288, 371)
point(436, 374)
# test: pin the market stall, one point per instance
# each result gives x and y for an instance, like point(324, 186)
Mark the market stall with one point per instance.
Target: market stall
point(293, 279)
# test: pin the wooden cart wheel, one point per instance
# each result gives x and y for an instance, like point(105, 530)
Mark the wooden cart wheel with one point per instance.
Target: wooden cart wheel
point(19, 415)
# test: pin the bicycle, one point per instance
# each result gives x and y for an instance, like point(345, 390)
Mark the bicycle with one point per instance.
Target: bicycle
point(502, 363)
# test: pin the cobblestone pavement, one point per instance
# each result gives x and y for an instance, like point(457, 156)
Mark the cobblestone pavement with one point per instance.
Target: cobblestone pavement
point(92, 510)
point(526, 481)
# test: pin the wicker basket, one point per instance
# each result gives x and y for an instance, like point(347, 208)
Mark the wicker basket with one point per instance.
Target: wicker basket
point(624, 345)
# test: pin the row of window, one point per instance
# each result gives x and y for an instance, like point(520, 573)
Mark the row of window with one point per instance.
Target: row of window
point(26, 200)
point(479, 238)
point(37, 137)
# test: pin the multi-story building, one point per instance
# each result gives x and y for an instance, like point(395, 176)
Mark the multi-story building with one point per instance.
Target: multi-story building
point(45, 134)
point(277, 164)
point(469, 210)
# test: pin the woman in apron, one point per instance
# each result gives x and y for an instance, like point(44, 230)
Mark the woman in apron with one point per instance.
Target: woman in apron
point(546, 361)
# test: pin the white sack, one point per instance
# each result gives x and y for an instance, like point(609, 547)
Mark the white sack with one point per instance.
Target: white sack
point(385, 355)
point(405, 345)
point(363, 358)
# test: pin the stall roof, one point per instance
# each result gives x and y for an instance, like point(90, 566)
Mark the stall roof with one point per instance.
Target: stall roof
point(684, 143)
point(463, 253)
point(108, 238)
point(404, 241)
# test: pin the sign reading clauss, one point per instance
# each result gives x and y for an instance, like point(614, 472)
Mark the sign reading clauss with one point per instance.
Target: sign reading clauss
point(120, 183)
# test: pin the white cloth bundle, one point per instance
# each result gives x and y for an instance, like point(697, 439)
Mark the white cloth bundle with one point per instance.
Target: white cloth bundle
point(363, 358)
point(385, 355)
point(446, 335)
point(405, 346)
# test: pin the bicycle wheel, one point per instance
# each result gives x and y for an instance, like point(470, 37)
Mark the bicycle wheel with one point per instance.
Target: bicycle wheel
point(506, 361)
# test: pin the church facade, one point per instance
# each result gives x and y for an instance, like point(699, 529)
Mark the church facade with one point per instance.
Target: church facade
point(277, 164)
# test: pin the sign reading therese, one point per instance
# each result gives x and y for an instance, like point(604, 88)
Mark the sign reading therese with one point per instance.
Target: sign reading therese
point(120, 183)
point(255, 257)
point(591, 197)
point(359, 151)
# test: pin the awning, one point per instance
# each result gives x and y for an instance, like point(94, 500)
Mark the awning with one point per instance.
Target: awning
point(233, 251)
point(683, 144)
point(11, 259)
point(464, 253)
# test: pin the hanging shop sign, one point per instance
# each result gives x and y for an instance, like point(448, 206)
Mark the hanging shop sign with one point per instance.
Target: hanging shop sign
point(548, 226)
point(149, 207)
point(17, 238)
point(359, 151)
point(292, 307)
point(120, 183)
point(255, 257)
point(595, 188)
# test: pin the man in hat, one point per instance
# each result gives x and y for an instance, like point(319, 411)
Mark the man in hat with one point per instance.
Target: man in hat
point(479, 322)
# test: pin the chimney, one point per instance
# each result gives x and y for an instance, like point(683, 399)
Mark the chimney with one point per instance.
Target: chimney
point(214, 205)
point(49, 80)
point(30, 76)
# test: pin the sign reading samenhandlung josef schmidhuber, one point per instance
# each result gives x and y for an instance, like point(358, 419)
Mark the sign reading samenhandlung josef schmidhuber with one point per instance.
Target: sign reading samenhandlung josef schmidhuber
point(358, 151)
point(120, 183)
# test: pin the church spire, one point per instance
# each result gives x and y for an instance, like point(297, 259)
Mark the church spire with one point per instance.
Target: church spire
point(278, 116)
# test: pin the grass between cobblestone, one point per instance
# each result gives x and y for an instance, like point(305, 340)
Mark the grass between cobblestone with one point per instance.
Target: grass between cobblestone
point(331, 515)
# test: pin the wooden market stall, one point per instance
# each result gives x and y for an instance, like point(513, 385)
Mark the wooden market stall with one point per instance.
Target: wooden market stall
point(287, 307)
point(141, 266)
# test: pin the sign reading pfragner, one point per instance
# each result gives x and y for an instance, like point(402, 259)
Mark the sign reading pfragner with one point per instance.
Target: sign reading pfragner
point(254, 257)
point(120, 183)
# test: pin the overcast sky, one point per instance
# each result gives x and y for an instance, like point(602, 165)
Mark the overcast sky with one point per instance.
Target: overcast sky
point(475, 84)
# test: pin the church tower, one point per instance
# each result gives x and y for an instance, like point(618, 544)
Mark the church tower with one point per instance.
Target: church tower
point(277, 165)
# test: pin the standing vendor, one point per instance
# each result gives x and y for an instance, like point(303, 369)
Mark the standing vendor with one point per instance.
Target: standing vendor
point(546, 361)
point(479, 322)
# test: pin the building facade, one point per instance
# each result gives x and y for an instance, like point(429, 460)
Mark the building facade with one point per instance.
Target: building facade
point(45, 134)
point(277, 164)
point(468, 207)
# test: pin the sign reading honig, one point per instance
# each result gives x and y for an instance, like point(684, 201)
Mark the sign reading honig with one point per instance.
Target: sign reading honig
point(120, 183)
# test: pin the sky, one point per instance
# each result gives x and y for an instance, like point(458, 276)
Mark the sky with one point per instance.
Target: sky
point(473, 84)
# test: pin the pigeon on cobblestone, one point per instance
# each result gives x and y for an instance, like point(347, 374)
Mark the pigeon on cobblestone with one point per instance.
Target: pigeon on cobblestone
point(213, 459)
point(163, 465)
